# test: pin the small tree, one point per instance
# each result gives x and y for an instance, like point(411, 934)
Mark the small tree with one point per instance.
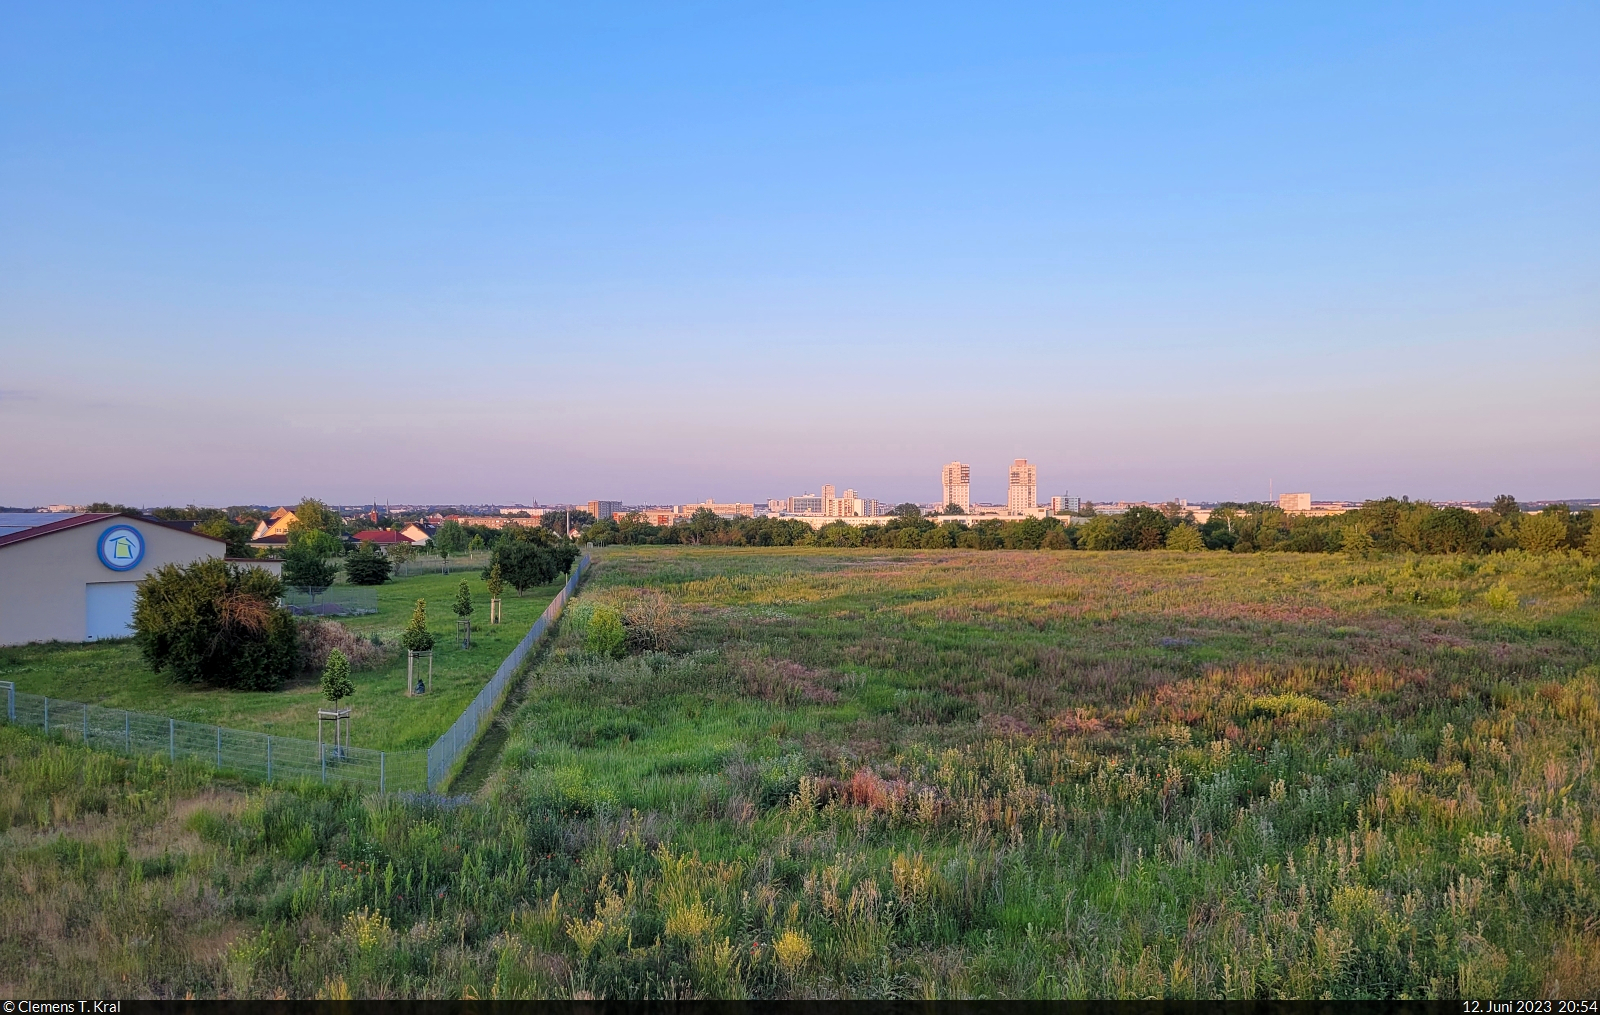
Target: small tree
point(463, 604)
point(1542, 533)
point(496, 585)
point(416, 638)
point(524, 564)
point(1185, 539)
point(306, 568)
point(336, 682)
point(450, 539)
point(367, 566)
point(1358, 543)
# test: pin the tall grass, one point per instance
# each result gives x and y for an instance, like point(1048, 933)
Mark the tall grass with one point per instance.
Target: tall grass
point(914, 775)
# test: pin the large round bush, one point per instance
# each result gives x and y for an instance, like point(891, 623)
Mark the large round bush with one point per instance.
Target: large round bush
point(214, 623)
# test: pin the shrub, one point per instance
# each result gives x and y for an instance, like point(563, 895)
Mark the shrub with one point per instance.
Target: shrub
point(319, 639)
point(606, 636)
point(1358, 543)
point(1501, 597)
point(367, 566)
point(214, 623)
point(1185, 539)
point(652, 623)
point(941, 538)
point(1542, 533)
point(416, 638)
point(336, 677)
point(306, 567)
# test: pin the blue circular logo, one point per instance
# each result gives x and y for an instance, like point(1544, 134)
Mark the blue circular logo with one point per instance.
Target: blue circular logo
point(121, 548)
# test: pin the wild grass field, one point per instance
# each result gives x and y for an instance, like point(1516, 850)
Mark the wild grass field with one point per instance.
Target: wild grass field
point(918, 774)
point(112, 673)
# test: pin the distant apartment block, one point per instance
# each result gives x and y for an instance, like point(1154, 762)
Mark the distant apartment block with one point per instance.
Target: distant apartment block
point(605, 508)
point(1022, 493)
point(1295, 503)
point(956, 478)
point(827, 504)
point(1064, 505)
point(734, 510)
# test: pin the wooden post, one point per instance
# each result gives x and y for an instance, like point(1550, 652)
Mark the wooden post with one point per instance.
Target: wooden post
point(494, 610)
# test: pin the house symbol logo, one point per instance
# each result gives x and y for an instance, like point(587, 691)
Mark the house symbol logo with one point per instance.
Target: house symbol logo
point(121, 548)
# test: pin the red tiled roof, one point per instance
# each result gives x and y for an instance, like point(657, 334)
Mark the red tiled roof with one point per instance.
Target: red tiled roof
point(380, 536)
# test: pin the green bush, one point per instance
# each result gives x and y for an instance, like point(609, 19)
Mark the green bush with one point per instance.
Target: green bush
point(1185, 539)
point(367, 566)
point(214, 623)
point(606, 635)
point(307, 568)
point(1501, 597)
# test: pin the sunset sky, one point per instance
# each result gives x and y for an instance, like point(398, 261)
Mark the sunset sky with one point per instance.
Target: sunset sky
point(661, 253)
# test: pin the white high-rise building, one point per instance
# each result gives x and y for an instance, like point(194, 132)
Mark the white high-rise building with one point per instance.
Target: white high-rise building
point(1023, 492)
point(957, 479)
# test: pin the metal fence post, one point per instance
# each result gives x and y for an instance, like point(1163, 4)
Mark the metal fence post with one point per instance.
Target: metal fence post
point(380, 771)
point(322, 750)
point(172, 740)
point(269, 757)
point(47, 716)
point(219, 746)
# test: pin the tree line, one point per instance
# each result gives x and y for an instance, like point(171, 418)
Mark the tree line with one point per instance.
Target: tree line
point(1391, 525)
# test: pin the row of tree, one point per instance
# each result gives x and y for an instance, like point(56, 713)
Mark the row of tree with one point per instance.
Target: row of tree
point(1380, 526)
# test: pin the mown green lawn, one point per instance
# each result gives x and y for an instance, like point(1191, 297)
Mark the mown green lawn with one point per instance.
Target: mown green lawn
point(113, 674)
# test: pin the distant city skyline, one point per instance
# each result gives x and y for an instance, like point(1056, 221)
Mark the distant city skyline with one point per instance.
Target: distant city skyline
point(678, 253)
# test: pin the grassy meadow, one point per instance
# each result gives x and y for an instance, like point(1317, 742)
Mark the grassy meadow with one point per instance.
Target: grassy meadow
point(912, 774)
point(112, 673)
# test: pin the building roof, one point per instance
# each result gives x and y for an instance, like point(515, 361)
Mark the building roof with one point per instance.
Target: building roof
point(380, 536)
point(73, 521)
point(16, 521)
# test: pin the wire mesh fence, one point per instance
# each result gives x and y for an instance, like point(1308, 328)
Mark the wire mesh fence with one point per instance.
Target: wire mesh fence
point(334, 601)
point(463, 733)
point(430, 563)
point(243, 752)
point(282, 759)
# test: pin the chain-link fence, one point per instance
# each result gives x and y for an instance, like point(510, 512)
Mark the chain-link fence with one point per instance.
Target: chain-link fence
point(463, 733)
point(283, 759)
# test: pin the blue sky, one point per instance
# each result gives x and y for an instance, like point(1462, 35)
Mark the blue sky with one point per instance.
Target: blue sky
point(670, 252)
